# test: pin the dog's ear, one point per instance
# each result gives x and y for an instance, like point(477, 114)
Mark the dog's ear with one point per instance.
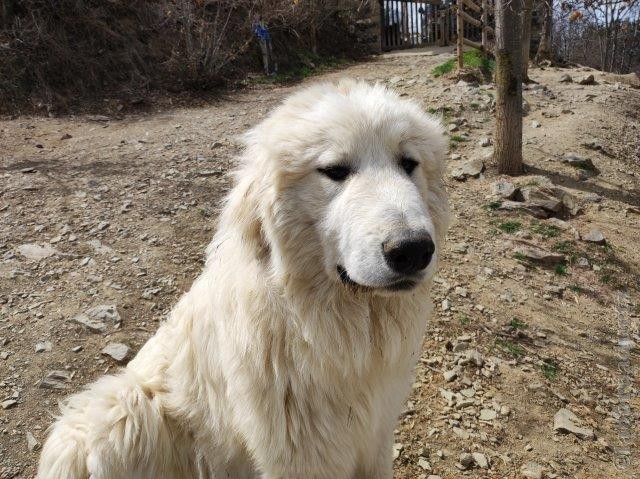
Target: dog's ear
point(243, 214)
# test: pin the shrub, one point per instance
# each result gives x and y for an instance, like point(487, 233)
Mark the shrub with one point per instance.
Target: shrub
point(60, 53)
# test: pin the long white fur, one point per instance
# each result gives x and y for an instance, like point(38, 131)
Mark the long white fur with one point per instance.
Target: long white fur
point(270, 366)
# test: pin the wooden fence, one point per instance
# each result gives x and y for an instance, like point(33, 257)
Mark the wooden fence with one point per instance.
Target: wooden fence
point(473, 26)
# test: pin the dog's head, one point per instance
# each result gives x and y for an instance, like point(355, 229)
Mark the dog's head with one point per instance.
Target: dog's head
point(345, 186)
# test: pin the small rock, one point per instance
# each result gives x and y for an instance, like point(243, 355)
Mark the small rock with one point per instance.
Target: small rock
point(55, 380)
point(594, 236)
point(587, 80)
point(43, 346)
point(504, 189)
point(462, 292)
point(535, 124)
point(539, 255)
point(566, 78)
point(32, 442)
point(472, 168)
point(36, 252)
point(94, 319)
point(481, 460)
point(484, 142)
point(460, 248)
point(583, 263)
point(488, 414)
point(397, 449)
point(554, 290)
point(532, 470)
point(450, 375)
point(466, 460)
point(66, 136)
point(98, 118)
point(565, 421)
point(517, 206)
point(8, 403)
point(577, 161)
point(445, 305)
point(473, 356)
point(117, 351)
point(424, 464)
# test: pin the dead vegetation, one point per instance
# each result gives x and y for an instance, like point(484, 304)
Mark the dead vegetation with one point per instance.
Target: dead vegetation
point(54, 55)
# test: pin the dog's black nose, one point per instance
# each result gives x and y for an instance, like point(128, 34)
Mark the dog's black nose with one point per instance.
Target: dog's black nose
point(409, 254)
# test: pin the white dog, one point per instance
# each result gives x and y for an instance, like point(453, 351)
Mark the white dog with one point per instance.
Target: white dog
point(292, 354)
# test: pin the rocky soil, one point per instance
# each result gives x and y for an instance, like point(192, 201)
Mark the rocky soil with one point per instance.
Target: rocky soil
point(531, 358)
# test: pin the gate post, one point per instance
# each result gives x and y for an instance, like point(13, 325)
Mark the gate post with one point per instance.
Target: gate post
point(460, 28)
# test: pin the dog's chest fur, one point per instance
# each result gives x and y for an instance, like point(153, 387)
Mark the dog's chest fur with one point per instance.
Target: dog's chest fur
point(313, 385)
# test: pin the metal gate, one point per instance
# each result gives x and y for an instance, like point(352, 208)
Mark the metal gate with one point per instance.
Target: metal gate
point(415, 23)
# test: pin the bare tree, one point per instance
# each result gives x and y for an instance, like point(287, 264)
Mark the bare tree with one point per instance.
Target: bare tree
point(604, 34)
point(527, 13)
point(508, 78)
point(545, 51)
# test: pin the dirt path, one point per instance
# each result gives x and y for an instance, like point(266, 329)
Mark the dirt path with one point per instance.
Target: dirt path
point(125, 207)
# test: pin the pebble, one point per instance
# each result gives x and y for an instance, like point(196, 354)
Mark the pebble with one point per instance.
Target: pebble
point(577, 161)
point(594, 236)
point(488, 414)
point(481, 460)
point(36, 252)
point(43, 346)
point(55, 380)
point(539, 255)
point(397, 449)
point(450, 375)
point(532, 470)
point(424, 464)
point(32, 442)
point(587, 80)
point(466, 460)
point(504, 189)
point(565, 421)
point(9, 403)
point(117, 351)
point(469, 169)
point(94, 319)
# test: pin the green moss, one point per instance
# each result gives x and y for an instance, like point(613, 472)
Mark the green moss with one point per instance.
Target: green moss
point(509, 348)
point(548, 231)
point(516, 323)
point(549, 369)
point(510, 226)
point(560, 269)
point(471, 59)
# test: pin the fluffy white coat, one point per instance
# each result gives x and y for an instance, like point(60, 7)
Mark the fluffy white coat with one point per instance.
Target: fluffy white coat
point(270, 366)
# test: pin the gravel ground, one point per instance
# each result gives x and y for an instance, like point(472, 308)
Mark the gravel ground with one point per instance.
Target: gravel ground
point(521, 371)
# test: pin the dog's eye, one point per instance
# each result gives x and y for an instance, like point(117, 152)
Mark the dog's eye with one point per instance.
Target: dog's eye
point(408, 164)
point(336, 172)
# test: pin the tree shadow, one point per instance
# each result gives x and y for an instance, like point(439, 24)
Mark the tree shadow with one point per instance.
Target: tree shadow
point(630, 197)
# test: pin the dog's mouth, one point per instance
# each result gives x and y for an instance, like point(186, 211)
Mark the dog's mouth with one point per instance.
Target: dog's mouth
point(400, 285)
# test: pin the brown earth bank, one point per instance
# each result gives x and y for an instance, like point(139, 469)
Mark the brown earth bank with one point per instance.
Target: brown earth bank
point(531, 356)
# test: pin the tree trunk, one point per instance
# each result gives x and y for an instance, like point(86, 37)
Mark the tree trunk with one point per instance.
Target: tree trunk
point(508, 79)
point(526, 37)
point(544, 48)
